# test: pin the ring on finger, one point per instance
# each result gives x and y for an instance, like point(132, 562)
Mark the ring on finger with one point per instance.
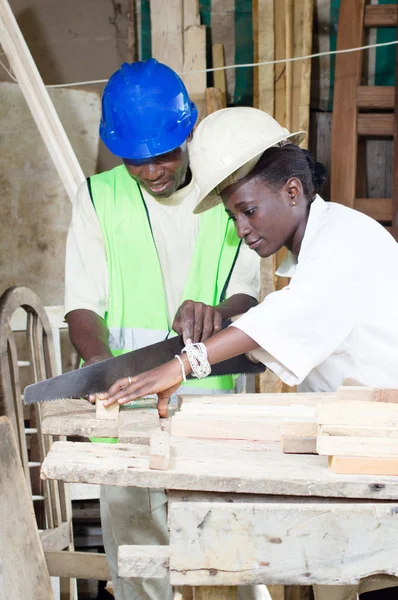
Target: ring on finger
point(130, 380)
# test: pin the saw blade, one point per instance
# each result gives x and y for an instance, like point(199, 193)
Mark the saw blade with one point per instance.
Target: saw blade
point(98, 377)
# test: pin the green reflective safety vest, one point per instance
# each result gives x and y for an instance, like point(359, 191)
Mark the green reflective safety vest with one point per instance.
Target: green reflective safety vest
point(137, 312)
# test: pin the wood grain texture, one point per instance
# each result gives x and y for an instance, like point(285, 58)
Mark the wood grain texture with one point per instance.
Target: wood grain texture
point(224, 466)
point(368, 414)
point(375, 124)
point(344, 123)
point(195, 60)
point(379, 447)
point(219, 77)
point(106, 413)
point(354, 465)
point(79, 565)
point(284, 541)
point(148, 562)
point(264, 41)
point(213, 593)
point(167, 32)
point(379, 209)
point(159, 450)
point(381, 16)
point(372, 96)
point(260, 399)
point(18, 527)
point(213, 100)
point(299, 445)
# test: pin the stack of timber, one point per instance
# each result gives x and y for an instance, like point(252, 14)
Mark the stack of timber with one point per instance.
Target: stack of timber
point(360, 436)
point(250, 417)
point(311, 437)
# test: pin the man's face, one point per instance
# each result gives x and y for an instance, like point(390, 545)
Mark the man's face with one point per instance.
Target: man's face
point(163, 175)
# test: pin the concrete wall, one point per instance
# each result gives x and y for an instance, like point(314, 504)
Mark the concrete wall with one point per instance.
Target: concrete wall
point(70, 41)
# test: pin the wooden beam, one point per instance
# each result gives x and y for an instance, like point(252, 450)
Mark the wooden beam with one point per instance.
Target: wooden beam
point(375, 96)
point(195, 60)
point(58, 538)
point(106, 413)
point(381, 16)
point(23, 566)
point(159, 450)
point(344, 122)
point(363, 466)
point(379, 209)
point(261, 399)
point(358, 431)
point(298, 445)
point(330, 445)
point(264, 42)
point(213, 100)
point(375, 125)
point(368, 414)
point(191, 13)
point(148, 562)
point(78, 565)
point(39, 102)
point(303, 21)
point(167, 32)
point(219, 77)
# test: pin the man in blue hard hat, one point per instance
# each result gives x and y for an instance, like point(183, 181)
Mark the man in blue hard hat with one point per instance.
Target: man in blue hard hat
point(140, 264)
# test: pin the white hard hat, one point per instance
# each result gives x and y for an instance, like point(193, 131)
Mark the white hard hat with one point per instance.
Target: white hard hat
point(227, 145)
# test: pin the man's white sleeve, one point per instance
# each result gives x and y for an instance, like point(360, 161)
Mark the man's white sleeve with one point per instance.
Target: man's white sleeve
point(245, 277)
point(86, 269)
point(302, 325)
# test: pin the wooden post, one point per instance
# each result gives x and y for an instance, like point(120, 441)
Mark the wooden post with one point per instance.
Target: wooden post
point(219, 77)
point(39, 102)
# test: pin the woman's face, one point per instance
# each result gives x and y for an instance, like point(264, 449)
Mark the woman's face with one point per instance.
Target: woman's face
point(265, 218)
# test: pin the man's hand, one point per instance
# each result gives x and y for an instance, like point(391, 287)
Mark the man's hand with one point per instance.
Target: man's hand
point(196, 321)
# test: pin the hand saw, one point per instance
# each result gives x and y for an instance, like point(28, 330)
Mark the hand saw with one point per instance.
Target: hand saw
point(100, 376)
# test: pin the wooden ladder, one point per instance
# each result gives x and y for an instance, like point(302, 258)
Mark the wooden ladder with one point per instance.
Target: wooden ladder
point(360, 112)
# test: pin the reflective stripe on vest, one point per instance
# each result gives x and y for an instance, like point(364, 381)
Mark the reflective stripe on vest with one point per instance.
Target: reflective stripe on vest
point(137, 311)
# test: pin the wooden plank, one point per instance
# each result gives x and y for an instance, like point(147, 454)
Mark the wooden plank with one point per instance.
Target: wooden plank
point(159, 451)
point(347, 465)
point(260, 399)
point(359, 392)
point(73, 416)
point(381, 16)
point(299, 445)
point(167, 32)
point(358, 431)
point(213, 100)
point(297, 429)
point(375, 124)
point(224, 466)
point(379, 209)
point(375, 96)
point(191, 13)
point(23, 566)
point(369, 414)
point(264, 41)
point(215, 593)
point(291, 411)
point(344, 122)
point(39, 101)
point(135, 425)
point(219, 78)
point(219, 428)
point(195, 60)
point(109, 413)
point(301, 79)
point(79, 565)
point(331, 445)
point(56, 539)
point(148, 562)
point(271, 531)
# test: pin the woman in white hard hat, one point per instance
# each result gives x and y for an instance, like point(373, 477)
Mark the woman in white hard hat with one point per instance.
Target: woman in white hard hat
point(337, 318)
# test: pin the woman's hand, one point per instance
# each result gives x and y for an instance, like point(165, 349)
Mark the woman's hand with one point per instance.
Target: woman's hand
point(162, 381)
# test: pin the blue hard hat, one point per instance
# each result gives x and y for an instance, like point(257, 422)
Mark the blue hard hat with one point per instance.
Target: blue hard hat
point(146, 111)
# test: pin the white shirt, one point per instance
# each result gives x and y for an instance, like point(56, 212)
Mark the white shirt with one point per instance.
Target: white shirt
point(338, 317)
point(175, 230)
